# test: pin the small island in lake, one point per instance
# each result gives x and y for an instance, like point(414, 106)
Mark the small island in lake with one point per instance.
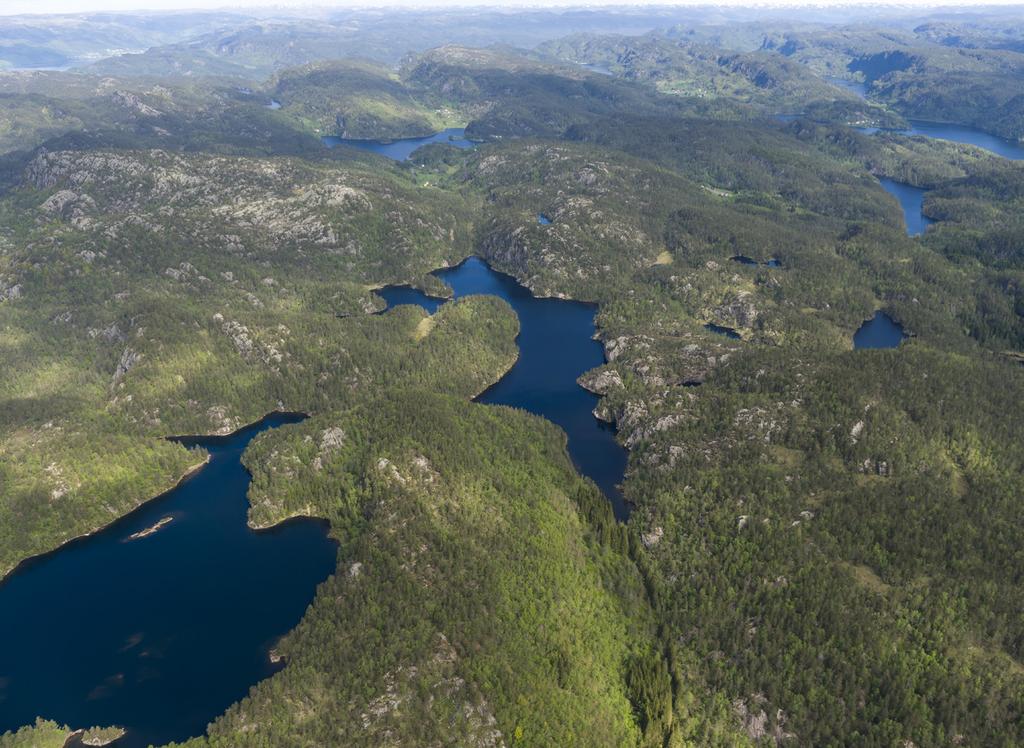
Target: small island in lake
point(151, 530)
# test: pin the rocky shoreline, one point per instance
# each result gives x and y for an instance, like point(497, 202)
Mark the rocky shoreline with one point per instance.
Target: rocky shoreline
point(94, 737)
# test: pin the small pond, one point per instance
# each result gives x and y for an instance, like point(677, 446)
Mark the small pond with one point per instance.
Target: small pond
point(881, 331)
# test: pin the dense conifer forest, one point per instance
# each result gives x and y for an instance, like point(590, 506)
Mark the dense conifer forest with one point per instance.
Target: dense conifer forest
point(824, 547)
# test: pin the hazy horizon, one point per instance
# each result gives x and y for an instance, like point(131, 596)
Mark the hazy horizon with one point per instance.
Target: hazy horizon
point(76, 7)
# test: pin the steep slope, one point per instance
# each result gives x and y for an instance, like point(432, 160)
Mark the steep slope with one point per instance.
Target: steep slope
point(466, 559)
point(353, 100)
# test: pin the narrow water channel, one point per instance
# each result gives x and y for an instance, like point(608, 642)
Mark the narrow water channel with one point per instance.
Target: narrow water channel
point(556, 345)
point(911, 200)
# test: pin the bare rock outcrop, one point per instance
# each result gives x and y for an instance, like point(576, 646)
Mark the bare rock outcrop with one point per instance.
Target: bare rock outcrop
point(600, 381)
point(756, 722)
point(737, 311)
point(11, 292)
point(129, 359)
point(331, 440)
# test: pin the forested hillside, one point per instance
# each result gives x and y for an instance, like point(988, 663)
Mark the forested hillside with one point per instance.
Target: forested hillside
point(824, 544)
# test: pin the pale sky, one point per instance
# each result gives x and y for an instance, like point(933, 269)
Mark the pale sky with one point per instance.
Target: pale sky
point(15, 7)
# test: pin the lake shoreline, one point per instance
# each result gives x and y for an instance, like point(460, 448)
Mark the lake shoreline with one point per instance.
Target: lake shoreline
point(302, 515)
point(77, 737)
point(211, 501)
point(37, 557)
point(190, 472)
point(603, 471)
point(220, 435)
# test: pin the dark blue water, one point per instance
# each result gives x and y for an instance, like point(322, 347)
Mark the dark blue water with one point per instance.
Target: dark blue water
point(771, 262)
point(400, 150)
point(398, 295)
point(960, 134)
point(556, 345)
point(543, 220)
point(1010, 149)
point(911, 200)
point(163, 633)
point(878, 332)
point(725, 331)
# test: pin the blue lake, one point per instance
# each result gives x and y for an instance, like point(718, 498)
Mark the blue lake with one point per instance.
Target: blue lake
point(556, 345)
point(402, 149)
point(162, 633)
point(959, 134)
point(1010, 149)
point(881, 331)
point(911, 200)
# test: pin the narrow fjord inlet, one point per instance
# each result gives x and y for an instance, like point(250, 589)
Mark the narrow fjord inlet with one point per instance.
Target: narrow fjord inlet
point(556, 345)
